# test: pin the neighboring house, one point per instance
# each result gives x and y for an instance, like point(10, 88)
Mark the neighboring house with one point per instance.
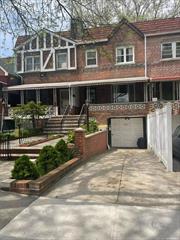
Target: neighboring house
point(119, 69)
point(8, 77)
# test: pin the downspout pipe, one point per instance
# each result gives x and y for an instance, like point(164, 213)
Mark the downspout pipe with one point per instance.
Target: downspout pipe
point(145, 56)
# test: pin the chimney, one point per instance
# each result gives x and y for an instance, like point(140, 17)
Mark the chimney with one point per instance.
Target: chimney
point(77, 28)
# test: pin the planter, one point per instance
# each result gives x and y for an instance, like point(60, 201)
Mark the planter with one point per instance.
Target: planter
point(38, 186)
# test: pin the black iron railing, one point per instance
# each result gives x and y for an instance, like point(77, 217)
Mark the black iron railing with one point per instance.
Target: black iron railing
point(5, 153)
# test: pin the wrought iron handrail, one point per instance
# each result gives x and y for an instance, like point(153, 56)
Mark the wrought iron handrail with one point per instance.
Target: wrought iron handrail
point(66, 111)
point(81, 113)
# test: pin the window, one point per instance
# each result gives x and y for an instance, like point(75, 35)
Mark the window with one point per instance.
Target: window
point(170, 50)
point(124, 55)
point(121, 93)
point(32, 63)
point(167, 50)
point(178, 49)
point(61, 60)
point(91, 58)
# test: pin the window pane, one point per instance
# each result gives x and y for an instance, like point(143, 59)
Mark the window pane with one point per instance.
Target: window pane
point(120, 55)
point(129, 54)
point(167, 50)
point(178, 49)
point(129, 51)
point(29, 64)
point(62, 60)
point(129, 58)
point(91, 55)
point(120, 59)
point(36, 63)
point(91, 61)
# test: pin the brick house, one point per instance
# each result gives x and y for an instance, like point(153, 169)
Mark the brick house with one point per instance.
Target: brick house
point(123, 70)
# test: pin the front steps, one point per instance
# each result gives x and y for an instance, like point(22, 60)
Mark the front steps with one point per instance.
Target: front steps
point(15, 153)
point(70, 122)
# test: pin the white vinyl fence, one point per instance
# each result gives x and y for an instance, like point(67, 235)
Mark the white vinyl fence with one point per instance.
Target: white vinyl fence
point(159, 134)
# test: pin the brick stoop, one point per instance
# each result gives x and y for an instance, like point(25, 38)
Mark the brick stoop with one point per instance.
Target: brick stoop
point(70, 122)
point(15, 153)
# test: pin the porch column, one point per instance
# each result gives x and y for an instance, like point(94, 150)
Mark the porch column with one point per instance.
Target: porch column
point(38, 100)
point(174, 90)
point(145, 93)
point(55, 101)
point(22, 97)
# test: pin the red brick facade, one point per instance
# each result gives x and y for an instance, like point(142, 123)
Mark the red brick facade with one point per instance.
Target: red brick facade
point(158, 68)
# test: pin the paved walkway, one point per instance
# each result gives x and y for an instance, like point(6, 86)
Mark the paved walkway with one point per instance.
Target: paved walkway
point(130, 177)
point(15, 143)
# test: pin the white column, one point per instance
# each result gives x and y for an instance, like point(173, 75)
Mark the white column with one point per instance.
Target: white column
point(38, 100)
point(22, 97)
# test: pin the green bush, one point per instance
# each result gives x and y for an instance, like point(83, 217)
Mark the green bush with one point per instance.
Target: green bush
point(64, 153)
point(93, 127)
point(24, 169)
point(48, 160)
point(71, 137)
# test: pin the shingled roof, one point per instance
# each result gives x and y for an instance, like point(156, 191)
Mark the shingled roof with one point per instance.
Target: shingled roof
point(102, 32)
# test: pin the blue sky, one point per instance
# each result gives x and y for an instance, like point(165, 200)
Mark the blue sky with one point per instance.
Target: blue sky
point(6, 45)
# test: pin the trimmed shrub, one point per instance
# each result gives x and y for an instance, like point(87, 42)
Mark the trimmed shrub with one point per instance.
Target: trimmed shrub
point(48, 160)
point(64, 153)
point(24, 169)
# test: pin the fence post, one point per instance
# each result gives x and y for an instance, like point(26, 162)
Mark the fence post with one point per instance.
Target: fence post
point(80, 141)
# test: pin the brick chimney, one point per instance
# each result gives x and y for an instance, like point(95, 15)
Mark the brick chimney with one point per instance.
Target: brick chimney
point(77, 28)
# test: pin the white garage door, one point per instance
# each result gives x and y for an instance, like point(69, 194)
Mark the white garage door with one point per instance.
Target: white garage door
point(125, 132)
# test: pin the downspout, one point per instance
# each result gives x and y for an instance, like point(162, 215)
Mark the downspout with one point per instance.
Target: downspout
point(145, 56)
point(145, 67)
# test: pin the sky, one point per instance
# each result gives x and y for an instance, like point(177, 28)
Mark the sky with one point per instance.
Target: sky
point(6, 45)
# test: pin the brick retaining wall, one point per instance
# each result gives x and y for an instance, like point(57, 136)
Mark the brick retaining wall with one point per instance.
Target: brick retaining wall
point(92, 144)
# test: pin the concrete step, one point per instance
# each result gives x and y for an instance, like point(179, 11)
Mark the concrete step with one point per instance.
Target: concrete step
point(21, 151)
point(16, 156)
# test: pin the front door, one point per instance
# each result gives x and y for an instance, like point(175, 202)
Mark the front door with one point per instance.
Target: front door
point(64, 100)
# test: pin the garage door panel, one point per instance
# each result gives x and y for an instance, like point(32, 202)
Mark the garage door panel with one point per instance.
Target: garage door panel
point(125, 132)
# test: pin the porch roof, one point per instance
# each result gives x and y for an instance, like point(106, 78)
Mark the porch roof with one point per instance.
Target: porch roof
point(74, 84)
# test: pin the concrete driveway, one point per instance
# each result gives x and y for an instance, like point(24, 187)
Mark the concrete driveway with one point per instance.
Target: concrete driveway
point(99, 200)
point(128, 177)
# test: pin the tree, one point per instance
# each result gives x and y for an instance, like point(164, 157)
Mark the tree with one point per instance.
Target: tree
point(27, 16)
point(31, 110)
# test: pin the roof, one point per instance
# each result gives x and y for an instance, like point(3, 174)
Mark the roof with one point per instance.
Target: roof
point(159, 25)
point(8, 64)
point(105, 31)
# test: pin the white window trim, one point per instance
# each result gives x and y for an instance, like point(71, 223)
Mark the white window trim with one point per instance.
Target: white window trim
point(95, 65)
point(173, 51)
point(33, 70)
point(124, 49)
point(63, 68)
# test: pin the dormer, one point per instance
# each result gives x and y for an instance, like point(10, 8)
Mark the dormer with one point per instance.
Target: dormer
point(45, 52)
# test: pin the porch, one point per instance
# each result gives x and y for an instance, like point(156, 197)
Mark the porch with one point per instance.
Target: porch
point(128, 98)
